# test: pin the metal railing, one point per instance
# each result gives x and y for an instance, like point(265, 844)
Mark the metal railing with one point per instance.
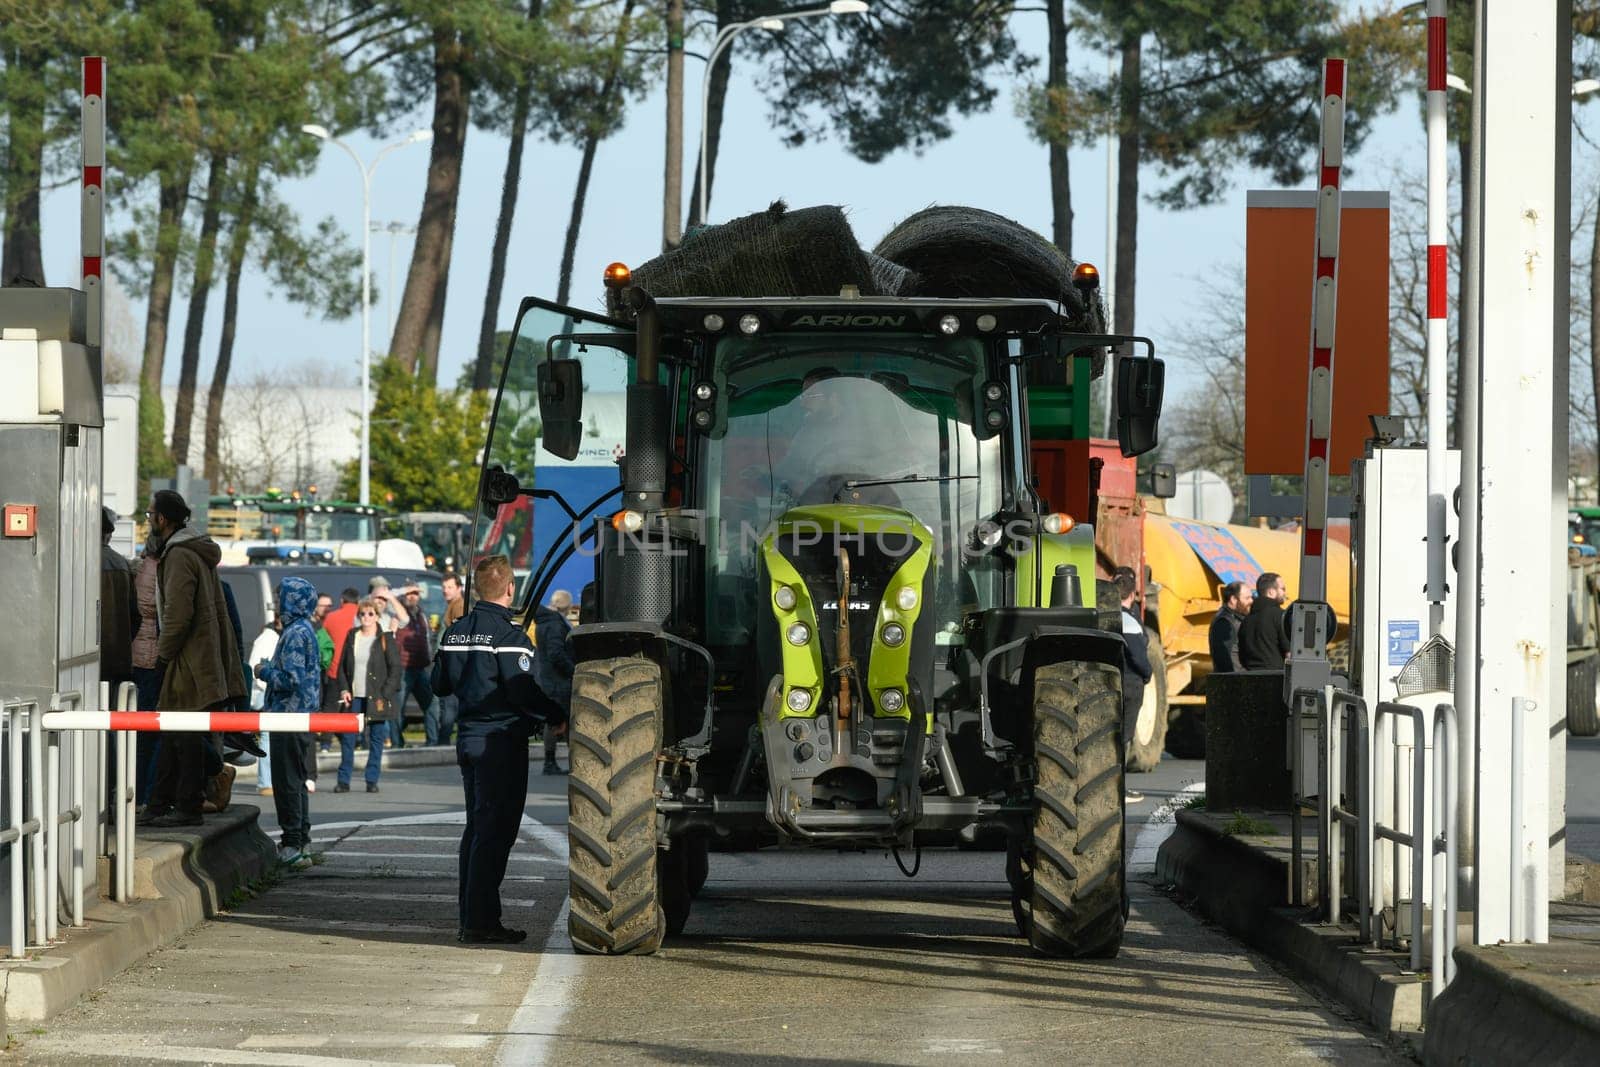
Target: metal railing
point(1341, 808)
point(54, 817)
point(34, 816)
point(1298, 700)
point(1359, 820)
point(22, 823)
point(1384, 743)
point(1445, 742)
point(121, 810)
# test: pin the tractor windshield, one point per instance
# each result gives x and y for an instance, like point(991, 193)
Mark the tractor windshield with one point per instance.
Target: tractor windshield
point(886, 420)
point(340, 526)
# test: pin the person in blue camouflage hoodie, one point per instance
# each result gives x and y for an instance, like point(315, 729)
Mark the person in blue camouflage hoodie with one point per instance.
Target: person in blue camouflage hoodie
point(294, 683)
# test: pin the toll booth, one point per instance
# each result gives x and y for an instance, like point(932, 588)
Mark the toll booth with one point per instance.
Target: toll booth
point(51, 425)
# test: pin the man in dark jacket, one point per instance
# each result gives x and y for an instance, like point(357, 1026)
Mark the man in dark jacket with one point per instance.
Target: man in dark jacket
point(487, 661)
point(1263, 639)
point(118, 612)
point(1236, 598)
point(553, 669)
point(197, 651)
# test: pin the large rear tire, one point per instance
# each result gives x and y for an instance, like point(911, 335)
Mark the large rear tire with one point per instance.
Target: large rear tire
point(1077, 889)
point(1583, 696)
point(611, 818)
point(1149, 738)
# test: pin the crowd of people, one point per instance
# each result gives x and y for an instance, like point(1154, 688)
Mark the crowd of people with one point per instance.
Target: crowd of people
point(170, 626)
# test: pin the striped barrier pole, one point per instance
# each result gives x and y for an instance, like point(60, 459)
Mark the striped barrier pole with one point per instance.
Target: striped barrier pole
point(1319, 394)
point(92, 204)
point(1438, 307)
point(1311, 620)
point(208, 721)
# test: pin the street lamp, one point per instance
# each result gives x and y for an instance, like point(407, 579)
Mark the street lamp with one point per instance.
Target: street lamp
point(771, 23)
point(416, 137)
point(394, 230)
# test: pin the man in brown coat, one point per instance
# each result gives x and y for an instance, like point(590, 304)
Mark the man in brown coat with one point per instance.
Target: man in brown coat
point(196, 648)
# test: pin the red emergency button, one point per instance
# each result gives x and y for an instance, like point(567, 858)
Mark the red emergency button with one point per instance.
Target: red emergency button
point(21, 520)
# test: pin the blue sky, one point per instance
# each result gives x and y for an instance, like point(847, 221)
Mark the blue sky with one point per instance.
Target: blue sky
point(989, 162)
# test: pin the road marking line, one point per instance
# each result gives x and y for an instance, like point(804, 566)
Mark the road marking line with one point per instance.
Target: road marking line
point(341, 853)
point(452, 838)
point(533, 1030)
point(381, 871)
point(421, 898)
point(537, 1022)
point(118, 1047)
point(372, 1040)
point(310, 922)
point(1158, 827)
point(435, 818)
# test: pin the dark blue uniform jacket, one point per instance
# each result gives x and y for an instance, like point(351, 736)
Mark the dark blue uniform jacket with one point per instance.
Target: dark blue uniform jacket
point(487, 662)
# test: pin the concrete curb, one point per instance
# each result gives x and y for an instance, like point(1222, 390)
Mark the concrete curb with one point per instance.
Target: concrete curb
point(1517, 1004)
point(1243, 887)
point(181, 877)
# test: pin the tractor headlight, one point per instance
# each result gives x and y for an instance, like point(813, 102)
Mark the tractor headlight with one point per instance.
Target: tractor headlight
point(798, 633)
point(784, 596)
point(749, 323)
point(906, 598)
point(891, 700)
point(799, 700)
point(893, 634)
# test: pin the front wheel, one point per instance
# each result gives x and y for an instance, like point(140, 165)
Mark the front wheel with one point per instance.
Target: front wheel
point(611, 817)
point(1078, 896)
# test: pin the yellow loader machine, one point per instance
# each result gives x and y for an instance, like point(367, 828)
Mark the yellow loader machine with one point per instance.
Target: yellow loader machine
point(829, 609)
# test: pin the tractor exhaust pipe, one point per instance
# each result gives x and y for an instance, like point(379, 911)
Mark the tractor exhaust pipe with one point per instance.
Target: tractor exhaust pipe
point(645, 465)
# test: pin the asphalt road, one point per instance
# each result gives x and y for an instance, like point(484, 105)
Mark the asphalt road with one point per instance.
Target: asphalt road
point(788, 958)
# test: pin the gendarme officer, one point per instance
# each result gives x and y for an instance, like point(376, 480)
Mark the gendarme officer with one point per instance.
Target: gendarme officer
point(487, 662)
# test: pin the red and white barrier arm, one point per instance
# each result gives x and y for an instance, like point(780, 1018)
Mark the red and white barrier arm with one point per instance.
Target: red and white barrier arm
point(207, 721)
point(1438, 387)
point(1319, 394)
point(92, 206)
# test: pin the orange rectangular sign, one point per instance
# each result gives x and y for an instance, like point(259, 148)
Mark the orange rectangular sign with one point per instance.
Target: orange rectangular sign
point(1280, 262)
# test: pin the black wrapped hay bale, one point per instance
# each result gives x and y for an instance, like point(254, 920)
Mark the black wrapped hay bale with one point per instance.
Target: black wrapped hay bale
point(776, 252)
point(966, 251)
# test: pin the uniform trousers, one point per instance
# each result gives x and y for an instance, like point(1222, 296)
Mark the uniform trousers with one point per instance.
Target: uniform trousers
point(494, 776)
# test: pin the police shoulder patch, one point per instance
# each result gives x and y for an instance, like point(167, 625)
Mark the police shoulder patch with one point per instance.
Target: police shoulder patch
point(524, 662)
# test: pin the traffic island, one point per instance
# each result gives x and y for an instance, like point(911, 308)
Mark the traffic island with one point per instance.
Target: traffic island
point(1518, 1004)
point(1237, 869)
point(181, 877)
point(1509, 1004)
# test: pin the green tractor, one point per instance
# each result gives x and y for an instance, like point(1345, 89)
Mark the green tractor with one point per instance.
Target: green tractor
point(829, 607)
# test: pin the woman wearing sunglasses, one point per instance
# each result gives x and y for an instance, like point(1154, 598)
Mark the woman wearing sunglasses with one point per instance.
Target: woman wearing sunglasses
point(369, 681)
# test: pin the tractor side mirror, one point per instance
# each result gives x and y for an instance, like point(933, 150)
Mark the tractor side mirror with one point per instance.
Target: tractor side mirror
point(1140, 381)
point(1163, 481)
point(499, 488)
point(561, 406)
